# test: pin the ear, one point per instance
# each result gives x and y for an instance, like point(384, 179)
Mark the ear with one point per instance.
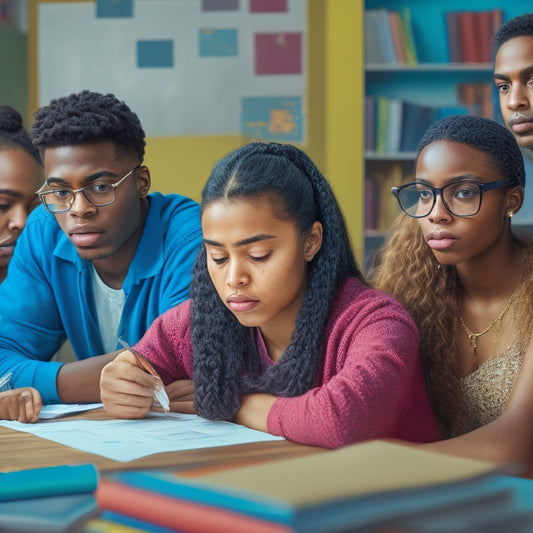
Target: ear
point(143, 181)
point(514, 200)
point(313, 241)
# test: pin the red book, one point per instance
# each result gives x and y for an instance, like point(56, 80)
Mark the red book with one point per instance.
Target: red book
point(398, 37)
point(177, 514)
point(468, 36)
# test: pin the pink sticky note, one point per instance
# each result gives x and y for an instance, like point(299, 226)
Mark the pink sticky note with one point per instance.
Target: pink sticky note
point(268, 6)
point(278, 53)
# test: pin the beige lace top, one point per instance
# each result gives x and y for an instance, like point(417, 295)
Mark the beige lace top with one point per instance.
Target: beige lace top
point(487, 389)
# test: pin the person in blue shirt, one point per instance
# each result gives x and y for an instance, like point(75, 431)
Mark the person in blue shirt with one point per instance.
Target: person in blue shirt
point(100, 259)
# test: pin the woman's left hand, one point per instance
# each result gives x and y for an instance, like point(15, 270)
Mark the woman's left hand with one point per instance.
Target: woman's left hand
point(181, 396)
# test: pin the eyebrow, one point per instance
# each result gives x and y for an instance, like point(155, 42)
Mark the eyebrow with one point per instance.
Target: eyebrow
point(10, 192)
point(469, 177)
point(525, 73)
point(92, 177)
point(244, 242)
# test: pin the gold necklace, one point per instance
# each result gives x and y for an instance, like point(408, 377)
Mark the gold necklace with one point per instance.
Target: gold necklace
point(472, 337)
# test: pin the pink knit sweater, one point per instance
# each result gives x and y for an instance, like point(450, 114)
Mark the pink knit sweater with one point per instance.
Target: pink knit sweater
point(370, 384)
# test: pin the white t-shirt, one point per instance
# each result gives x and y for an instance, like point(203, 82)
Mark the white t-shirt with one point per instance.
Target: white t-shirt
point(109, 305)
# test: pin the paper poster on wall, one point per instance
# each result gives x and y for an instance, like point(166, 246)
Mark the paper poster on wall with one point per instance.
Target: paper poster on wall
point(272, 118)
point(183, 66)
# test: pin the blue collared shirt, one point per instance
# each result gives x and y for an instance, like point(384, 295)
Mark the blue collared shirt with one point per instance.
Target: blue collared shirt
point(47, 296)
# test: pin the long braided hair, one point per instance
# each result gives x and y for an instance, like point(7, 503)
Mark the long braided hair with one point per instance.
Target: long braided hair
point(226, 363)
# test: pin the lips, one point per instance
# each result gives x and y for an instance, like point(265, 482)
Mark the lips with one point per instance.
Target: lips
point(7, 249)
point(440, 240)
point(239, 303)
point(520, 124)
point(85, 235)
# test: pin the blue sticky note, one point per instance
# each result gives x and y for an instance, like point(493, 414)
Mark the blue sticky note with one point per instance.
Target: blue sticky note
point(272, 118)
point(217, 42)
point(114, 8)
point(155, 54)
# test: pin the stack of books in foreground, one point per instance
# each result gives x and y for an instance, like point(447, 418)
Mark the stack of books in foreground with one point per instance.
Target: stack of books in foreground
point(56, 499)
point(375, 486)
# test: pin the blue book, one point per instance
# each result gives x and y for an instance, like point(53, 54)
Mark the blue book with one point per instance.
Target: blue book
point(49, 481)
point(54, 514)
point(356, 486)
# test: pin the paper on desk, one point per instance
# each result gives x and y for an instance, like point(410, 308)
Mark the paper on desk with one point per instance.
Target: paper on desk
point(125, 440)
point(57, 410)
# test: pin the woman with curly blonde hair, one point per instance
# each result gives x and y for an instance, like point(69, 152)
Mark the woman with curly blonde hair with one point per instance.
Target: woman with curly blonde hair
point(455, 264)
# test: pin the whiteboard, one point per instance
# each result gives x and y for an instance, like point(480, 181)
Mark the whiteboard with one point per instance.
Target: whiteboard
point(201, 90)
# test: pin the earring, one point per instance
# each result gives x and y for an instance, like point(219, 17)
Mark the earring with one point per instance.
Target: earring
point(509, 214)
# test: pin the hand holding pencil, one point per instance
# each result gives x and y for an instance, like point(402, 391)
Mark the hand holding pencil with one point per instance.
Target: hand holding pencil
point(128, 385)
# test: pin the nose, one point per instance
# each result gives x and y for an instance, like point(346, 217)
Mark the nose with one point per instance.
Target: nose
point(81, 205)
point(236, 275)
point(518, 98)
point(17, 218)
point(439, 213)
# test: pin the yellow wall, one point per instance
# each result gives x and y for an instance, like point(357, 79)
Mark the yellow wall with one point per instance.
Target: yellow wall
point(334, 120)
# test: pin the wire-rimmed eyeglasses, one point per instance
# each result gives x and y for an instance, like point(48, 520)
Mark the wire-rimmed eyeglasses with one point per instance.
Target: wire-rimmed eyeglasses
point(461, 198)
point(99, 194)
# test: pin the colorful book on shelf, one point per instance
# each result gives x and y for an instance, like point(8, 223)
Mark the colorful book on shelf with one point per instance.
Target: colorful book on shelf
point(471, 34)
point(470, 44)
point(370, 123)
point(417, 119)
point(398, 37)
point(361, 485)
point(373, 48)
point(410, 47)
point(454, 41)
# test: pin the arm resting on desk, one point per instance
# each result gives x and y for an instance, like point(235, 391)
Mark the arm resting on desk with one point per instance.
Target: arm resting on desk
point(79, 381)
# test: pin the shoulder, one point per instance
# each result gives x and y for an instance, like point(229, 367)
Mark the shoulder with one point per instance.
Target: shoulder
point(169, 206)
point(173, 216)
point(42, 232)
point(357, 303)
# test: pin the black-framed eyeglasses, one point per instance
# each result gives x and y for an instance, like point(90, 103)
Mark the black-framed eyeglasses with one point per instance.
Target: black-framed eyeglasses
point(461, 198)
point(99, 194)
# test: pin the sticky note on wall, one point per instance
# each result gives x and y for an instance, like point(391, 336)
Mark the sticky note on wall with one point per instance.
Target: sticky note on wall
point(155, 54)
point(114, 8)
point(268, 6)
point(220, 5)
point(217, 42)
point(278, 53)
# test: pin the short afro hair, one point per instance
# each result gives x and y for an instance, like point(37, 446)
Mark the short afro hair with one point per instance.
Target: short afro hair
point(520, 26)
point(13, 134)
point(88, 117)
point(482, 134)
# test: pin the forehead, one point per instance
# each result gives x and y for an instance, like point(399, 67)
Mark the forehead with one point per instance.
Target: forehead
point(19, 171)
point(83, 156)
point(514, 56)
point(234, 219)
point(448, 159)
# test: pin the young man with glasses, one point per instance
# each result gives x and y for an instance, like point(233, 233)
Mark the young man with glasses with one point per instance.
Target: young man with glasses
point(101, 259)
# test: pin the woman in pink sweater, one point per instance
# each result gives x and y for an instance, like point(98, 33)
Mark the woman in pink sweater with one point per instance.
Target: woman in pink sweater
point(281, 333)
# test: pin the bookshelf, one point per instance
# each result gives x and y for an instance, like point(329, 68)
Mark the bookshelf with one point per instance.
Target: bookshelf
point(432, 81)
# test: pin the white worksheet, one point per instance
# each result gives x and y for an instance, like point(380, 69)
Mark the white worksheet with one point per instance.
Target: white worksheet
point(125, 440)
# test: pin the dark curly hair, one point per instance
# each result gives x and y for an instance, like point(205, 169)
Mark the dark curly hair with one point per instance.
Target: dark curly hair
point(226, 363)
point(482, 134)
point(88, 117)
point(13, 134)
point(520, 26)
